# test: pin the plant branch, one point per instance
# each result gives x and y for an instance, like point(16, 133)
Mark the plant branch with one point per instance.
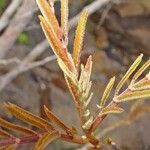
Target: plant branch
point(4, 20)
point(5, 62)
point(131, 116)
point(94, 6)
point(18, 23)
point(34, 138)
point(100, 117)
point(23, 67)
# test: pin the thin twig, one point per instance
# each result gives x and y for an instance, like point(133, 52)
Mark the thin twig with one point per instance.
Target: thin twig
point(4, 62)
point(93, 7)
point(4, 20)
point(100, 117)
point(14, 29)
point(36, 51)
point(105, 12)
point(23, 67)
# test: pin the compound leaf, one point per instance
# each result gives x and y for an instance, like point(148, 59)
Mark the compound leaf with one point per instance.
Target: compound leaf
point(28, 117)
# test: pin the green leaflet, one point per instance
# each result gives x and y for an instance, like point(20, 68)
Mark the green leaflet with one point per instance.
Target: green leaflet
point(28, 117)
point(84, 87)
point(112, 109)
point(64, 17)
point(68, 73)
point(129, 72)
point(79, 36)
point(17, 128)
point(45, 140)
point(132, 95)
point(142, 85)
point(86, 113)
point(86, 103)
point(84, 83)
point(88, 123)
point(57, 121)
point(23, 38)
point(107, 92)
point(48, 14)
point(141, 70)
point(5, 134)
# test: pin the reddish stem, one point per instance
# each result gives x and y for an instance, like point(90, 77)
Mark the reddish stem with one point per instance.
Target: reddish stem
point(34, 138)
point(100, 117)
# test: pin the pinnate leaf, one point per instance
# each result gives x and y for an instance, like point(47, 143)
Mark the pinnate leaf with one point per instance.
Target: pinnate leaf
point(28, 117)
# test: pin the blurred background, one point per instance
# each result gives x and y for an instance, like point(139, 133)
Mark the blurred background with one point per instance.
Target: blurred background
point(117, 32)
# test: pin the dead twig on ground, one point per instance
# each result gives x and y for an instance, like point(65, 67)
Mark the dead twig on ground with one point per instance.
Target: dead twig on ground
point(5, 18)
point(14, 29)
point(23, 67)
